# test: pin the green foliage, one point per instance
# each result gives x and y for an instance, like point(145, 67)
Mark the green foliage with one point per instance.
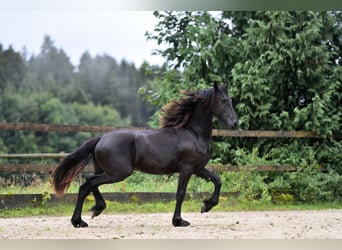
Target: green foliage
point(11, 67)
point(91, 114)
point(281, 83)
point(23, 179)
point(99, 80)
point(44, 108)
point(47, 88)
point(295, 154)
point(198, 53)
point(284, 74)
point(308, 184)
point(283, 66)
point(109, 83)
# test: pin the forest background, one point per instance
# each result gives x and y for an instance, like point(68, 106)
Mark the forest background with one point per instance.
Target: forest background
point(283, 70)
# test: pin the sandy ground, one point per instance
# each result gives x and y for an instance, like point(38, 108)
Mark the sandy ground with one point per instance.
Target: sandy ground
point(325, 224)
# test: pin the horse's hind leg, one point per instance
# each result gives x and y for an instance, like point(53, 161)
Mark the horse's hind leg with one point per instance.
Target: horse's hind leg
point(214, 199)
point(100, 203)
point(92, 184)
point(83, 192)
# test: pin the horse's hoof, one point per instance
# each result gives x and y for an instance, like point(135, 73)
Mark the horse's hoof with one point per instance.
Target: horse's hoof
point(96, 212)
point(79, 224)
point(207, 205)
point(203, 208)
point(179, 222)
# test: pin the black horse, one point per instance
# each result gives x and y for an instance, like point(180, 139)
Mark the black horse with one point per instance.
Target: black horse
point(181, 146)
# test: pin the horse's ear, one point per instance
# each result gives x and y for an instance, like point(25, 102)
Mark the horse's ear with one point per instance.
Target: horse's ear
point(216, 85)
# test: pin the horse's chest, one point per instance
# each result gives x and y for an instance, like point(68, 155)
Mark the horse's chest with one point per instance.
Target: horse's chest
point(196, 153)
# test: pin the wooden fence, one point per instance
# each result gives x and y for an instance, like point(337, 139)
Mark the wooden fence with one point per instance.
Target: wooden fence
point(19, 200)
point(103, 129)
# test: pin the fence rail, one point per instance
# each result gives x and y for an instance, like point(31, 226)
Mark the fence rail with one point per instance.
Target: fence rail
point(48, 168)
point(103, 129)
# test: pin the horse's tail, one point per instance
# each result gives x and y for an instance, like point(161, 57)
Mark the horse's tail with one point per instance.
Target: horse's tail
point(72, 165)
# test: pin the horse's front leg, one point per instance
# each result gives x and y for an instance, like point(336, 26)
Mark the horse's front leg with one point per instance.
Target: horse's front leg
point(183, 180)
point(214, 199)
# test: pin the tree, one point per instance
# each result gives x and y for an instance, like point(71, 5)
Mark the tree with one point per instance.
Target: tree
point(51, 69)
point(201, 49)
point(95, 75)
point(283, 66)
point(12, 68)
point(287, 63)
point(114, 84)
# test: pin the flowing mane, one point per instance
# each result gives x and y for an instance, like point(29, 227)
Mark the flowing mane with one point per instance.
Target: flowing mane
point(178, 112)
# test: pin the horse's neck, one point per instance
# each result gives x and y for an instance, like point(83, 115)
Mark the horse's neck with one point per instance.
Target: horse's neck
point(201, 121)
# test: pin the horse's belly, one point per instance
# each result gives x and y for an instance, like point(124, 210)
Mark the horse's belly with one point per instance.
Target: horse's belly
point(155, 164)
point(164, 153)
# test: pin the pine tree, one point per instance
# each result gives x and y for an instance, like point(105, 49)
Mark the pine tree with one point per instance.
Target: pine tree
point(283, 67)
point(12, 68)
point(288, 79)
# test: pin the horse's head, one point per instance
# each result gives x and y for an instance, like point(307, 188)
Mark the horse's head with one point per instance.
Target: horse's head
point(221, 106)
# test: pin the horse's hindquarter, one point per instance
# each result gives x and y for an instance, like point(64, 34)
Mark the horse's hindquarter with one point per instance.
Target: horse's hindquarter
point(163, 151)
point(114, 151)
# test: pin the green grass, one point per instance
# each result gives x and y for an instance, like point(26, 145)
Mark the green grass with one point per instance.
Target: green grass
point(149, 183)
point(192, 205)
point(137, 183)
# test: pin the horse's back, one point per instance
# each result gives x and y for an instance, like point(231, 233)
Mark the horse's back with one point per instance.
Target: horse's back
point(123, 143)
